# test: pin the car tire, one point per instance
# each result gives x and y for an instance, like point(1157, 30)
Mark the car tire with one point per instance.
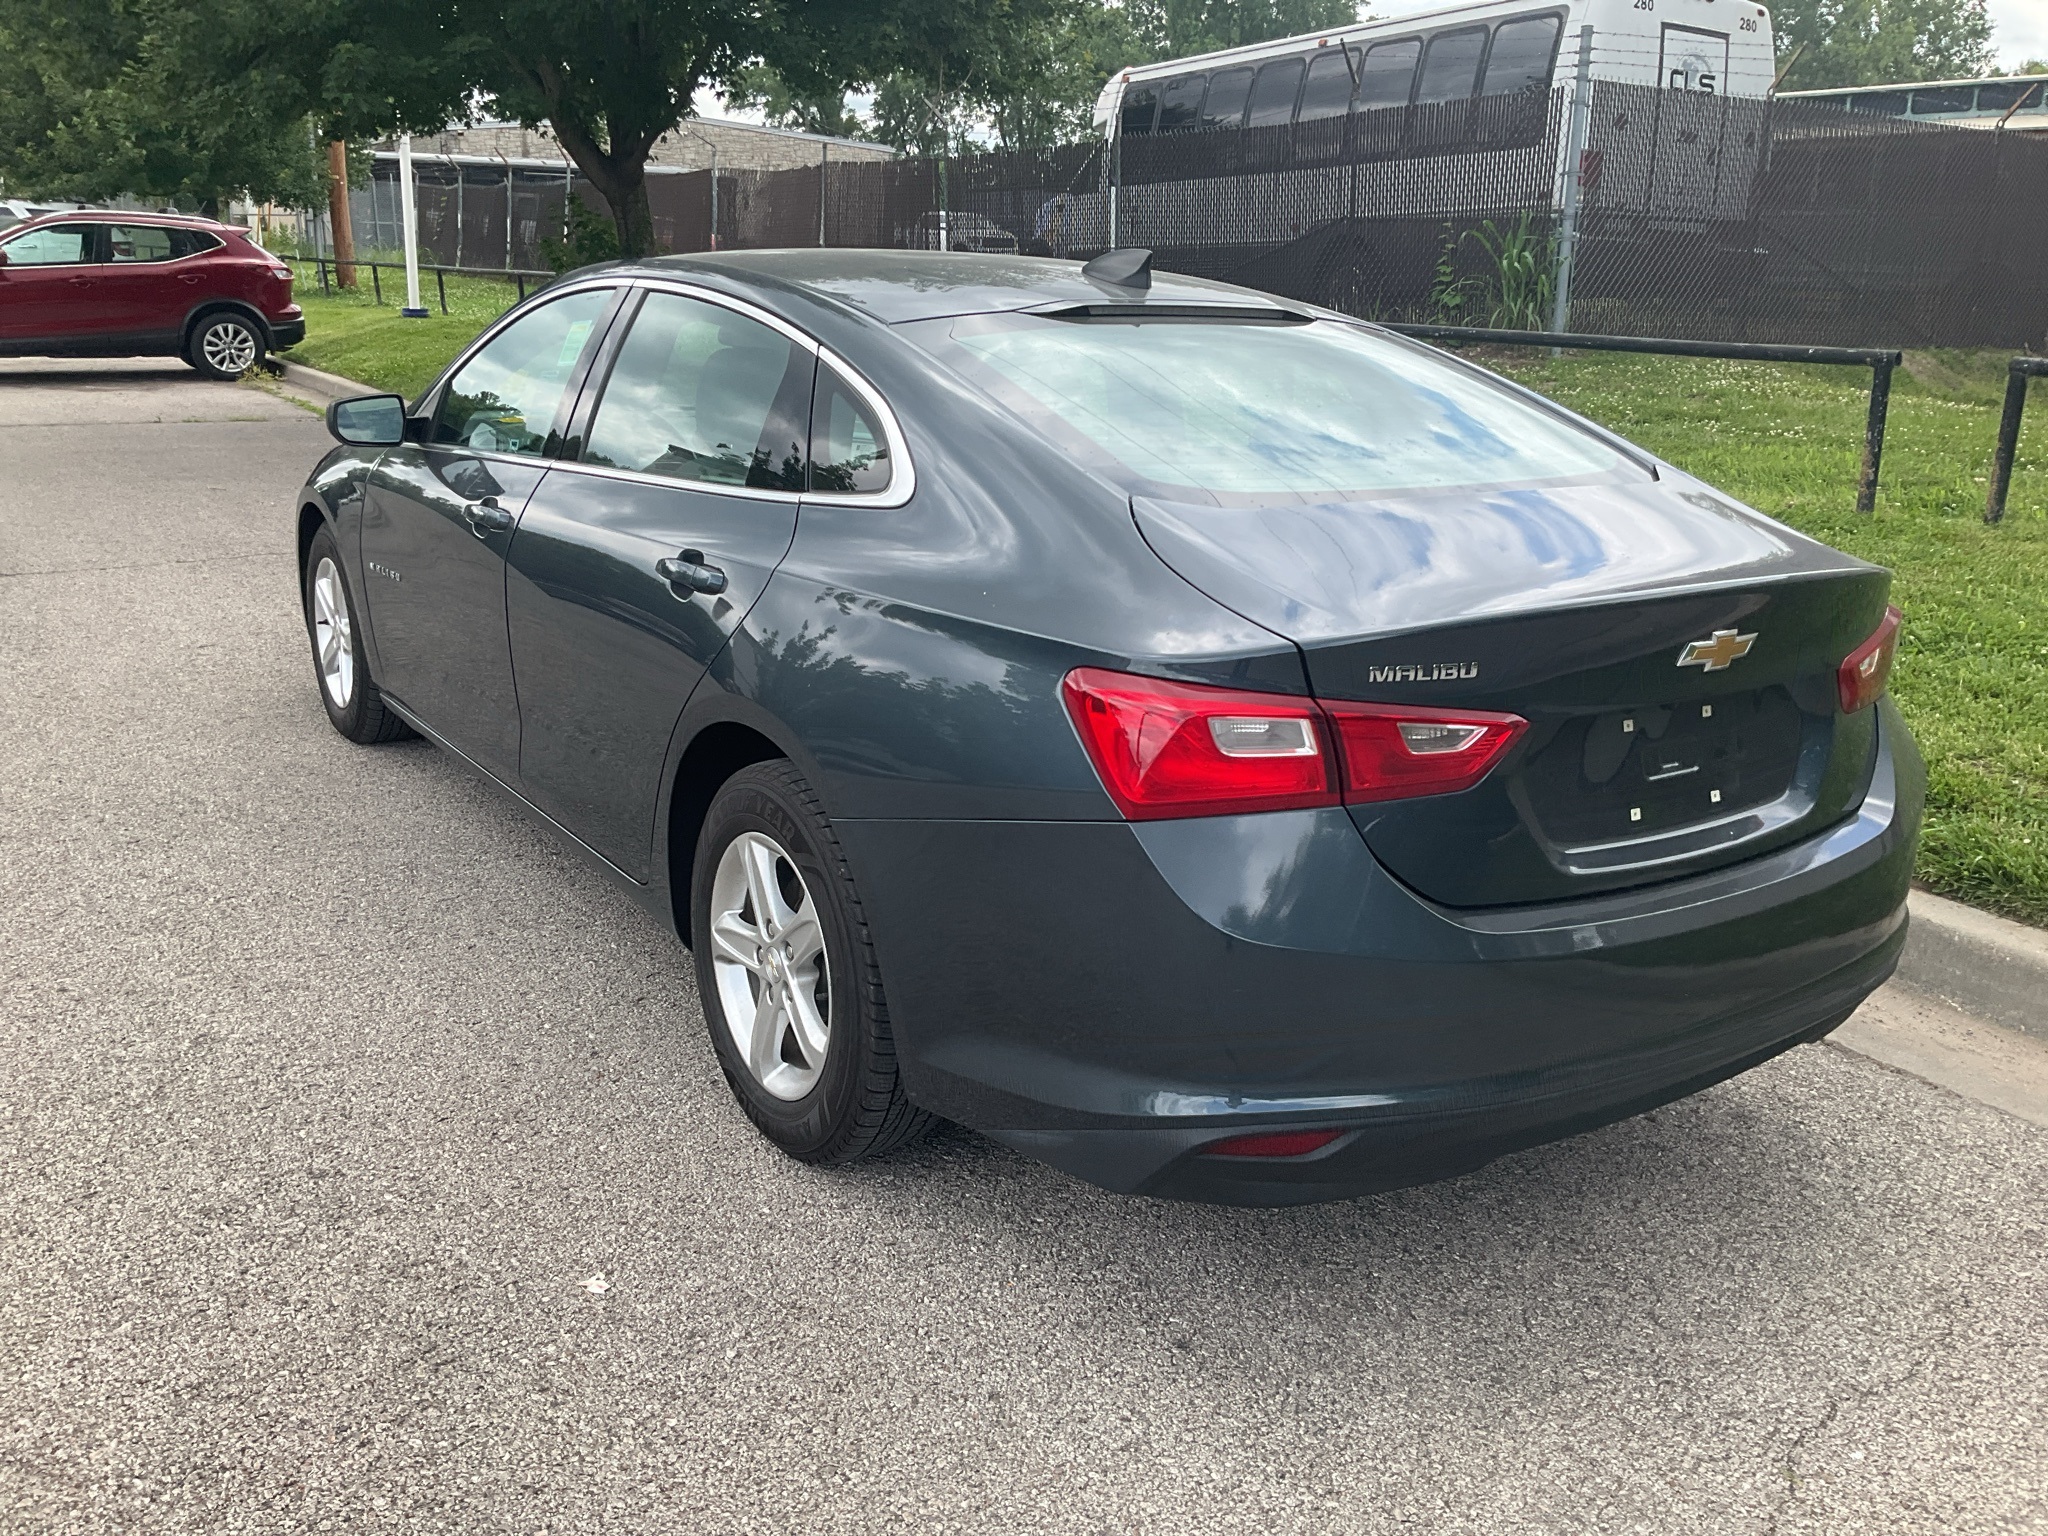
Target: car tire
point(340, 668)
point(225, 345)
point(814, 1066)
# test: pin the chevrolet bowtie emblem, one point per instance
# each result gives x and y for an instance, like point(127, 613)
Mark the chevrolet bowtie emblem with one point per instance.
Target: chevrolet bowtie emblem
point(1714, 655)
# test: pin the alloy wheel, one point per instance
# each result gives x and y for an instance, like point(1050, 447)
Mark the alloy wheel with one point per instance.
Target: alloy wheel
point(768, 956)
point(229, 347)
point(333, 641)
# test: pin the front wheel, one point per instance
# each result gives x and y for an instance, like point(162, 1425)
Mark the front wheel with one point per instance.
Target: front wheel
point(791, 987)
point(353, 702)
point(226, 346)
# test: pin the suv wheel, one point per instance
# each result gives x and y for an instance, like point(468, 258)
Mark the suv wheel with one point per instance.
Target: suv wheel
point(791, 988)
point(226, 346)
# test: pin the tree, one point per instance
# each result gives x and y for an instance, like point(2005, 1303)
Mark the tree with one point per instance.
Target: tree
point(168, 102)
point(1877, 42)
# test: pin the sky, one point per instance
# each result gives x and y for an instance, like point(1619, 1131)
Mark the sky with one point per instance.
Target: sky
point(2019, 30)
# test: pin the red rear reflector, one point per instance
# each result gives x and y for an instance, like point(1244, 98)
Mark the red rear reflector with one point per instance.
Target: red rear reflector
point(1179, 749)
point(1272, 1144)
point(1392, 751)
point(1862, 677)
point(1186, 749)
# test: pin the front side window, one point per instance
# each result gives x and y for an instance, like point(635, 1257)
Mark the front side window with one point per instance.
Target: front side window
point(1273, 95)
point(849, 453)
point(506, 397)
point(52, 245)
point(138, 242)
point(1230, 408)
point(701, 393)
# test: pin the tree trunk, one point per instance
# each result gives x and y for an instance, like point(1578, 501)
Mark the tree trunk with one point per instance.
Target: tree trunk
point(338, 216)
point(633, 215)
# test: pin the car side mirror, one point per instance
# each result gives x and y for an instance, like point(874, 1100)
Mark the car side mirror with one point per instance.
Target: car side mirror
point(368, 421)
point(3, 258)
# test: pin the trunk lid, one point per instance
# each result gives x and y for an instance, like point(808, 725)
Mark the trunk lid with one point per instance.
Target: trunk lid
point(1573, 606)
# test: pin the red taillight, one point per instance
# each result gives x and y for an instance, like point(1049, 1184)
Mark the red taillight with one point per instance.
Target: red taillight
point(1861, 678)
point(1393, 751)
point(1272, 1144)
point(1179, 749)
point(1186, 749)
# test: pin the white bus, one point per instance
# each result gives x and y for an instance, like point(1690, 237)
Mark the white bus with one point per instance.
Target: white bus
point(1419, 116)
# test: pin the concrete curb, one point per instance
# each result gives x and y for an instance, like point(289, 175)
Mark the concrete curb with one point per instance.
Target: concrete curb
point(327, 386)
point(1986, 966)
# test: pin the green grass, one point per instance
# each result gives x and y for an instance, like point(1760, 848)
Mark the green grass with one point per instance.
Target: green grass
point(1972, 675)
point(359, 339)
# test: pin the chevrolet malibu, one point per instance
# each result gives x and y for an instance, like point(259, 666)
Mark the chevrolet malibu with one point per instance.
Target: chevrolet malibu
point(1213, 745)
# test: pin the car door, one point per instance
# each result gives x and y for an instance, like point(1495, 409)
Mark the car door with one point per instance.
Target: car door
point(49, 287)
point(140, 294)
point(438, 517)
point(634, 563)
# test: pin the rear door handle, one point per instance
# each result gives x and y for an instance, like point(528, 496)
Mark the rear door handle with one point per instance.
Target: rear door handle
point(486, 516)
point(80, 282)
point(689, 571)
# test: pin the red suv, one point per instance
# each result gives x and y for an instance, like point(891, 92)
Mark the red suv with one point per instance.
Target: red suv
point(127, 284)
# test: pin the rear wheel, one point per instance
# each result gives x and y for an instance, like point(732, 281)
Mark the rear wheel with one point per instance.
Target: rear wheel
point(791, 987)
point(225, 346)
point(353, 703)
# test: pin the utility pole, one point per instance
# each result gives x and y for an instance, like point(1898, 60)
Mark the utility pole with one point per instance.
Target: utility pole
point(409, 216)
point(339, 223)
point(1574, 163)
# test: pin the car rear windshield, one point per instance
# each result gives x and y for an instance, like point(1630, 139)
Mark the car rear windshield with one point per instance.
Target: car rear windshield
point(1230, 408)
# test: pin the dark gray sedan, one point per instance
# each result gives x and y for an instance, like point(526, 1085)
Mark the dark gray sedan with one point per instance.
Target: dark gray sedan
point(1216, 746)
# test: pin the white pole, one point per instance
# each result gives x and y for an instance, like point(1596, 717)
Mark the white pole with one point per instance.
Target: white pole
point(409, 212)
point(1574, 156)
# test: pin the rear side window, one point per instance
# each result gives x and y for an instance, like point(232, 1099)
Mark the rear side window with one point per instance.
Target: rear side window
point(1273, 94)
point(505, 398)
point(1328, 91)
point(1521, 57)
point(849, 453)
point(1224, 107)
point(52, 245)
point(1387, 73)
point(192, 242)
point(139, 242)
point(1140, 102)
point(704, 394)
point(1180, 103)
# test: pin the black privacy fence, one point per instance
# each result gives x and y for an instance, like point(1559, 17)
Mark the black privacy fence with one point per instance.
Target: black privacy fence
point(1690, 215)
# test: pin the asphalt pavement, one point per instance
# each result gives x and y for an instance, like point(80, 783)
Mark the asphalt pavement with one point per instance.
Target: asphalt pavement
point(364, 1167)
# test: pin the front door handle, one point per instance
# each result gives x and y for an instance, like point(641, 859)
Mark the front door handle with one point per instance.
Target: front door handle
point(80, 282)
point(690, 571)
point(486, 517)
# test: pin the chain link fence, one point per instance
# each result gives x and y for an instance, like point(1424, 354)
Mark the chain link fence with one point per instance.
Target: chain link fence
point(1699, 216)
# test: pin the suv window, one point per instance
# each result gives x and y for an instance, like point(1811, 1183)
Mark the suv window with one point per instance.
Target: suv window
point(193, 242)
point(139, 242)
point(702, 393)
point(504, 399)
point(52, 245)
point(849, 453)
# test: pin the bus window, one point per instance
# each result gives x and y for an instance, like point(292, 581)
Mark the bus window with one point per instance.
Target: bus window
point(1328, 91)
point(1180, 103)
point(1139, 102)
point(1890, 103)
point(1452, 68)
point(1386, 74)
point(1523, 52)
point(1228, 89)
point(1273, 95)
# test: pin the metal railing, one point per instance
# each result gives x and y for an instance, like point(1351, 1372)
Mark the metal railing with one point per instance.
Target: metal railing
point(330, 269)
point(2017, 373)
point(1879, 361)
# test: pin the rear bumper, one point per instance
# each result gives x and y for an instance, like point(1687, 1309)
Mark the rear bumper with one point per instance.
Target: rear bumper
point(1110, 998)
point(287, 333)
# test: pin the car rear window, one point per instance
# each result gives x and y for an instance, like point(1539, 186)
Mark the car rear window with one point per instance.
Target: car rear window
point(1315, 408)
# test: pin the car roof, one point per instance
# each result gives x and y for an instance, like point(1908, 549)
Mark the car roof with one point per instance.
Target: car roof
point(898, 286)
point(124, 215)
